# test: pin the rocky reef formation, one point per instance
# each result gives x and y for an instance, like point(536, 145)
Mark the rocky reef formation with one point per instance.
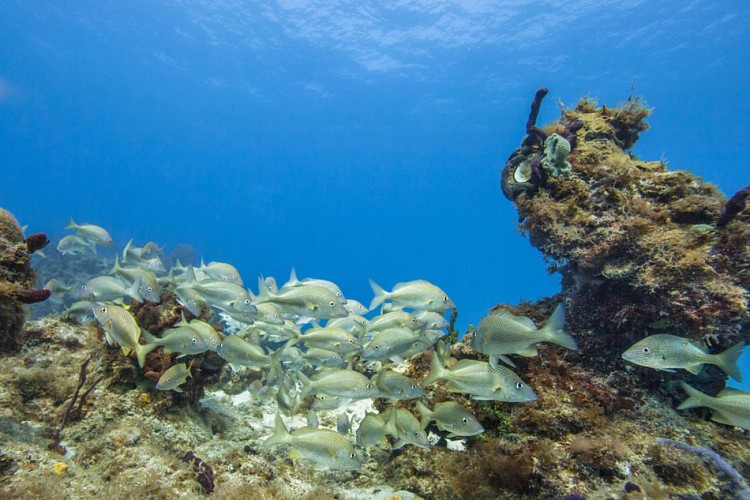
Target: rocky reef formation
point(16, 278)
point(637, 244)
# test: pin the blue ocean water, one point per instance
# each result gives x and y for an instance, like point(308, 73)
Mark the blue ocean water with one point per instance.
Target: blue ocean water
point(352, 140)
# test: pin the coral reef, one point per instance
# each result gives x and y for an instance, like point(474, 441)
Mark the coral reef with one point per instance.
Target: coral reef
point(16, 278)
point(640, 253)
point(636, 239)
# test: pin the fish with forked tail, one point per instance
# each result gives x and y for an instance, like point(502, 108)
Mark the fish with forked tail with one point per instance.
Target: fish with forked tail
point(666, 352)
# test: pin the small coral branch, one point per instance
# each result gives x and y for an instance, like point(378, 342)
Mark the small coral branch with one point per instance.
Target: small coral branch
point(735, 481)
point(734, 206)
point(56, 435)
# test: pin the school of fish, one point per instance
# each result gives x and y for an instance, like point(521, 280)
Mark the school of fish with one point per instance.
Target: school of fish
point(312, 343)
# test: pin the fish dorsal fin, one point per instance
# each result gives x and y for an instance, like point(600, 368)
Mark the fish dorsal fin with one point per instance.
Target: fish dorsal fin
point(519, 320)
point(407, 283)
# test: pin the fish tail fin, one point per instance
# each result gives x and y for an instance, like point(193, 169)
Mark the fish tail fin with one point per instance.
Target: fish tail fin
point(728, 359)
point(190, 276)
point(134, 291)
point(150, 339)
point(280, 432)
point(379, 297)
point(554, 329)
point(142, 351)
point(436, 369)
point(306, 385)
point(72, 224)
point(695, 397)
point(425, 415)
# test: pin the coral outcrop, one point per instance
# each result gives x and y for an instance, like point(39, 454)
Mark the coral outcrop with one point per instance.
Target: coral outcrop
point(635, 242)
point(16, 278)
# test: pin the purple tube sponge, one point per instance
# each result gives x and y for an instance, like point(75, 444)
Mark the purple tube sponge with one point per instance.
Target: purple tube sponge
point(734, 206)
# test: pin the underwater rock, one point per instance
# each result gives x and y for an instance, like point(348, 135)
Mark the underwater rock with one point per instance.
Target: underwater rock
point(629, 236)
point(16, 278)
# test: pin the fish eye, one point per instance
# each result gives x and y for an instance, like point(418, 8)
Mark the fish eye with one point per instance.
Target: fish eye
point(445, 299)
point(352, 455)
point(104, 309)
point(331, 303)
point(234, 277)
point(322, 398)
point(150, 289)
point(351, 341)
point(376, 347)
point(194, 340)
point(413, 386)
point(369, 386)
point(646, 350)
point(519, 385)
point(465, 420)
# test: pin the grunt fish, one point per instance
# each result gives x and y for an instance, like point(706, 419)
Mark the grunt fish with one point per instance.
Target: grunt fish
point(502, 333)
point(666, 352)
point(452, 417)
point(730, 406)
point(97, 234)
point(175, 376)
point(323, 447)
point(420, 295)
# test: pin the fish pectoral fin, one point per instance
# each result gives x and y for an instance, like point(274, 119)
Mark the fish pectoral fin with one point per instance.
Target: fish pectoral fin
point(670, 370)
point(126, 351)
point(178, 389)
point(294, 454)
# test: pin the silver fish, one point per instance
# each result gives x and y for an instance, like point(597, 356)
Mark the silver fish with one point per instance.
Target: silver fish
point(120, 327)
point(344, 383)
point(107, 288)
point(452, 417)
point(97, 234)
point(323, 447)
point(405, 428)
point(73, 244)
point(310, 301)
point(503, 333)
point(329, 285)
point(222, 271)
point(182, 339)
point(419, 294)
point(323, 357)
point(356, 307)
point(58, 289)
point(332, 339)
point(237, 351)
point(666, 352)
point(396, 386)
point(149, 288)
point(394, 319)
point(371, 431)
point(173, 378)
point(388, 343)
point(481, 380)
point(322, 401)
point(432, 320)
point(730, 406)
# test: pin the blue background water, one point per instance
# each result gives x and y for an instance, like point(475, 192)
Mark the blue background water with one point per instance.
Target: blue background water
point(350, 139)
